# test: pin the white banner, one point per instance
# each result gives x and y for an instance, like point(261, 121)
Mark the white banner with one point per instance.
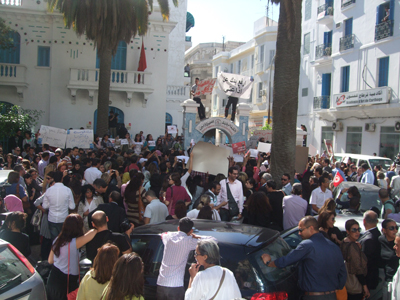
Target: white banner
point(366, 97)
point(79, 138)
point(235, 85)
point(55, 137)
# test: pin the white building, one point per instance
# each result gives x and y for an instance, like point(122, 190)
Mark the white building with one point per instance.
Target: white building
point(254, 58)
point(349, 76)
point(53, 70)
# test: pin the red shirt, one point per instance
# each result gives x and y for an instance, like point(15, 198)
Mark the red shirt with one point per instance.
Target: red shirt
point(179, 193)
point(130, 167)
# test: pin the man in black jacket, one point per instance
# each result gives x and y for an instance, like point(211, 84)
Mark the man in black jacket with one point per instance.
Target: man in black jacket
point(116, 214)
point(371, 247)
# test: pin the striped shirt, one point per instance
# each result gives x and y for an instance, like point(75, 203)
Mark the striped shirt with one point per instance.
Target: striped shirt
point(177, 246)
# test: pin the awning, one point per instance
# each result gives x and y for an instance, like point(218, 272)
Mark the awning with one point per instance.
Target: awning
point(189, 21)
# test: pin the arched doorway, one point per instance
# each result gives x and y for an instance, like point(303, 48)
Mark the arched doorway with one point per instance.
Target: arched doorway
point(217, 137)
point(120, 113)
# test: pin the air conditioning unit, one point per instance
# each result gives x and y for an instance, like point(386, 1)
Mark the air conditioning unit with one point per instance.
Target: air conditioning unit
point(370, 127)
point(337, 126)
point(397, 127)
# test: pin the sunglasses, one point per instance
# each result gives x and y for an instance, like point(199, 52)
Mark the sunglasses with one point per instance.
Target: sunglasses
point(197, 254)
point(355, 229)
point(301, 230)
point(284, 179)
point(391, 228)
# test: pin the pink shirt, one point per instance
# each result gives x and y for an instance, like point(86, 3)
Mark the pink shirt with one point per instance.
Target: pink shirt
point(179, 193)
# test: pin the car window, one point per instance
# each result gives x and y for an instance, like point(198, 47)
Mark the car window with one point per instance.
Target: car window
point(276, 249)
point(150, 249)
point(368, 199)
point(362, 161)
point(385, 163)
point(293, 239)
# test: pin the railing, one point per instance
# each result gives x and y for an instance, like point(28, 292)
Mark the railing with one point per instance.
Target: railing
point(188, 39)
point(12, 73)
point(346, 3)
point(260, 67)
point(247, 73)
point(327, 8)
point(179, 92)
point(118, 77)
point(11, 2)
point(323, 50)
point(346, 42)
point(383, 30)
point(322, 102)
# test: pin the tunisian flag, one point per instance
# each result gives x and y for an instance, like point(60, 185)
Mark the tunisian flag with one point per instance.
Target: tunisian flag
point(338, 179)
point(142, 61)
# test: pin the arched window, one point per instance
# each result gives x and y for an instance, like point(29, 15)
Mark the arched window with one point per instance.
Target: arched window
point(115, 110)
point(168, 119)
point(11, 56)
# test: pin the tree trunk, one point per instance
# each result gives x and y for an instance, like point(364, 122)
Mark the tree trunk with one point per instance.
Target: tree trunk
point(104, 92)
point(286, 86)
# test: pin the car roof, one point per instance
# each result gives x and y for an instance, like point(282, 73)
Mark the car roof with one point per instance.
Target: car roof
point(360, 186)
point(224, 232)
point(361, 156)
point(4, 175)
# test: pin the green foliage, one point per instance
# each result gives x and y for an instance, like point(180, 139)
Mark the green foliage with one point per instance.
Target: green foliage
point(16, 117)
point(6, 40)
point(266, 127)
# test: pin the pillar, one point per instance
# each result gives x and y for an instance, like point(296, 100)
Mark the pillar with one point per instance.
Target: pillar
point(189, 121)
point(243, 114)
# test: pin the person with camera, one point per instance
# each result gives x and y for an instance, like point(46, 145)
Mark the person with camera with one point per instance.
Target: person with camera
point(104, 235)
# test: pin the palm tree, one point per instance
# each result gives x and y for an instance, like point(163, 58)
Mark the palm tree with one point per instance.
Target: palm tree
point(106, 22)
point(286, 86)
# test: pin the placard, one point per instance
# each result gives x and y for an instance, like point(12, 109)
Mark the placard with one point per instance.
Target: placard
point(312, 150)
point(235, 85)
point(210, 158)
point(238, 158)
point(264, 147)
point(329, 147)
point(172, 129)
point(239, 147)
point(151, 143)
point(205, 87)
point(55, 137)
point(79, 138)
point(124, 142)
point(253, 153)
point(184, 158)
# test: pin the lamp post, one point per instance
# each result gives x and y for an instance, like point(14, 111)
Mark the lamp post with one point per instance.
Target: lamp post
point(269, 89)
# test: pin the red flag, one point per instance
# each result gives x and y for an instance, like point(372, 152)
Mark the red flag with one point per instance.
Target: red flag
point(338, 179)
point(142, 60)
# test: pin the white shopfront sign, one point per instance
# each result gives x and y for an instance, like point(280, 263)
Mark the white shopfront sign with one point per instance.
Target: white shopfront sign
point(367, 97)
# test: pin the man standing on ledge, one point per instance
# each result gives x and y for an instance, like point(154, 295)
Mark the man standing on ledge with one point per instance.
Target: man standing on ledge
point(319, 277)
point(200, 109)
point(231, 101)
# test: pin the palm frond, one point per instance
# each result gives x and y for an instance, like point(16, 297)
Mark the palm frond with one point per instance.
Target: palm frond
point(164, 7)
point(150, 4)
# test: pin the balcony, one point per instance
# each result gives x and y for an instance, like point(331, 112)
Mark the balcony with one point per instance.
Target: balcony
point(13, 75)
point(188, 42)
point(322, 102)
point(383, 30)
point(11, 2)
point(323, 51)
point(260, 68)
point(347, 3)
point(121, 81)
point(346, 42)
point(325, 13)
point(178, 93)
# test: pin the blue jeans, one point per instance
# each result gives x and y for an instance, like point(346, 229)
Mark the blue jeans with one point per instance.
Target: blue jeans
point(55, 229)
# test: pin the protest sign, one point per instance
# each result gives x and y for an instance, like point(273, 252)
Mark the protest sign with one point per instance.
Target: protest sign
point(239, 147)
point(205, 87)
point(172, 129)
point(312, 150)
point(210, 158)
point(264, 147)
point(124, 142)
point(152, 143)
point(238, 158)
point(55, 137)
point(329, 147)
point(253, 153)
point(183, 158)
point(235, 85)
point(79, 138)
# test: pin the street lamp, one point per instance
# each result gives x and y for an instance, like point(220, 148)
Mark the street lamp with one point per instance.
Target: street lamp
point(269, 88)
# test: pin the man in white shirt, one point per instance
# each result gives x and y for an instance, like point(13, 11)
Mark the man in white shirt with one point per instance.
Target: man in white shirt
point(367, 176)
point(177, 246)
point(320, 194)
point(156, 211)
point(395, 185)
point(394, 286)
point(235, 187)
point(93, 173)
point(294, 207)
point(43, 163)
point(57, 199)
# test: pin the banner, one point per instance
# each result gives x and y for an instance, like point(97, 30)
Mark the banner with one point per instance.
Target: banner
point(79, 138)
point(366, 97)
point(205, 87)
point(239, 147)
point(235, 85)
point(55, 137)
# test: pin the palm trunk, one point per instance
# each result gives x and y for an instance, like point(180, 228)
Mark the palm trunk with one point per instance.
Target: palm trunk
point(104, 92)
point(286, 86)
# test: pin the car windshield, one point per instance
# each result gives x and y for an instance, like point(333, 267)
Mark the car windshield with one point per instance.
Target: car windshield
point(385, 163)
point(368, 200)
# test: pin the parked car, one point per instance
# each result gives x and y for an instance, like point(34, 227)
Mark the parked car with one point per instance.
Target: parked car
point(372, 161)
point(241, 247)
point(369, 194)
point(18, 278)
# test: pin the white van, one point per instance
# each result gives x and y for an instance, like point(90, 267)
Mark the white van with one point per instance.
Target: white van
point(372, 161)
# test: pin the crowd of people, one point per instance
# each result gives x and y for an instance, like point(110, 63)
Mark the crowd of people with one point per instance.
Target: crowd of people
point(92, 199)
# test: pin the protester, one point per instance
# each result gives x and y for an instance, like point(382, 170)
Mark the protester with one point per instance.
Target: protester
point(89, 202)
point(11, 232)
point(294, 207)
point(175, 192)
point(231, 196)
point(394, 286)
point(258, 210)
point(156, 211)
point(205, 200)
point(326, 221)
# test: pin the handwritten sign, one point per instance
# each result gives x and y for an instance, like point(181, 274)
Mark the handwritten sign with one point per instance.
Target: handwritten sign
point(55, 137)
point(239, 147)
point(217, 123)
point(183, 158)
point(124, 142)
point(312, 150)
point(152, 143)
point(79, 138)
point(235, 85)
point(205, 87)
point(264, 147)
point(172, 129)
point(367, 97)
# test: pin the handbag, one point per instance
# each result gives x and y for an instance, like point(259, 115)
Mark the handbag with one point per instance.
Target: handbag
point(73, 294)
point(26, 205)
point(220, 284)
point(36, 219)
point(353, 286)
point(140, 207)
point(233, 207)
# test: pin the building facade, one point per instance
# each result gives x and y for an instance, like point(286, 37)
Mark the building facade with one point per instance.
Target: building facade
point(349, 80)
point(53, 70)
point(254, 59)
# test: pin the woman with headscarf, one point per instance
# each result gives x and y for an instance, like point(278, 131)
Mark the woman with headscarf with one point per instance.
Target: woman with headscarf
point(89, 203)
point(13, 203)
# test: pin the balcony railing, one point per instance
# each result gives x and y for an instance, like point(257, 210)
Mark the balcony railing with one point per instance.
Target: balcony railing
point(176, 92)
point(323, 50)
point(325, 10)
point(383, 30)
point(11, 2)
point(346, 42)
point(346, 3)
point(260, 67)
point(10, 73)
point(322, 102)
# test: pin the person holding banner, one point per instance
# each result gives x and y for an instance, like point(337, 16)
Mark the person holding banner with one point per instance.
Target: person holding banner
point(231, 101)
point(200, 109)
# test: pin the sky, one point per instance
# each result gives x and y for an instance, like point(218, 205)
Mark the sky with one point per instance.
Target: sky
point(233, 19)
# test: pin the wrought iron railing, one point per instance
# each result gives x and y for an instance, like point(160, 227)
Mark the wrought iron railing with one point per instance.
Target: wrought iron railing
point(327, 7)
point(383, 30)
point(346, 3)
point(346, 42)
point(322, 102)
point(323, 50)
